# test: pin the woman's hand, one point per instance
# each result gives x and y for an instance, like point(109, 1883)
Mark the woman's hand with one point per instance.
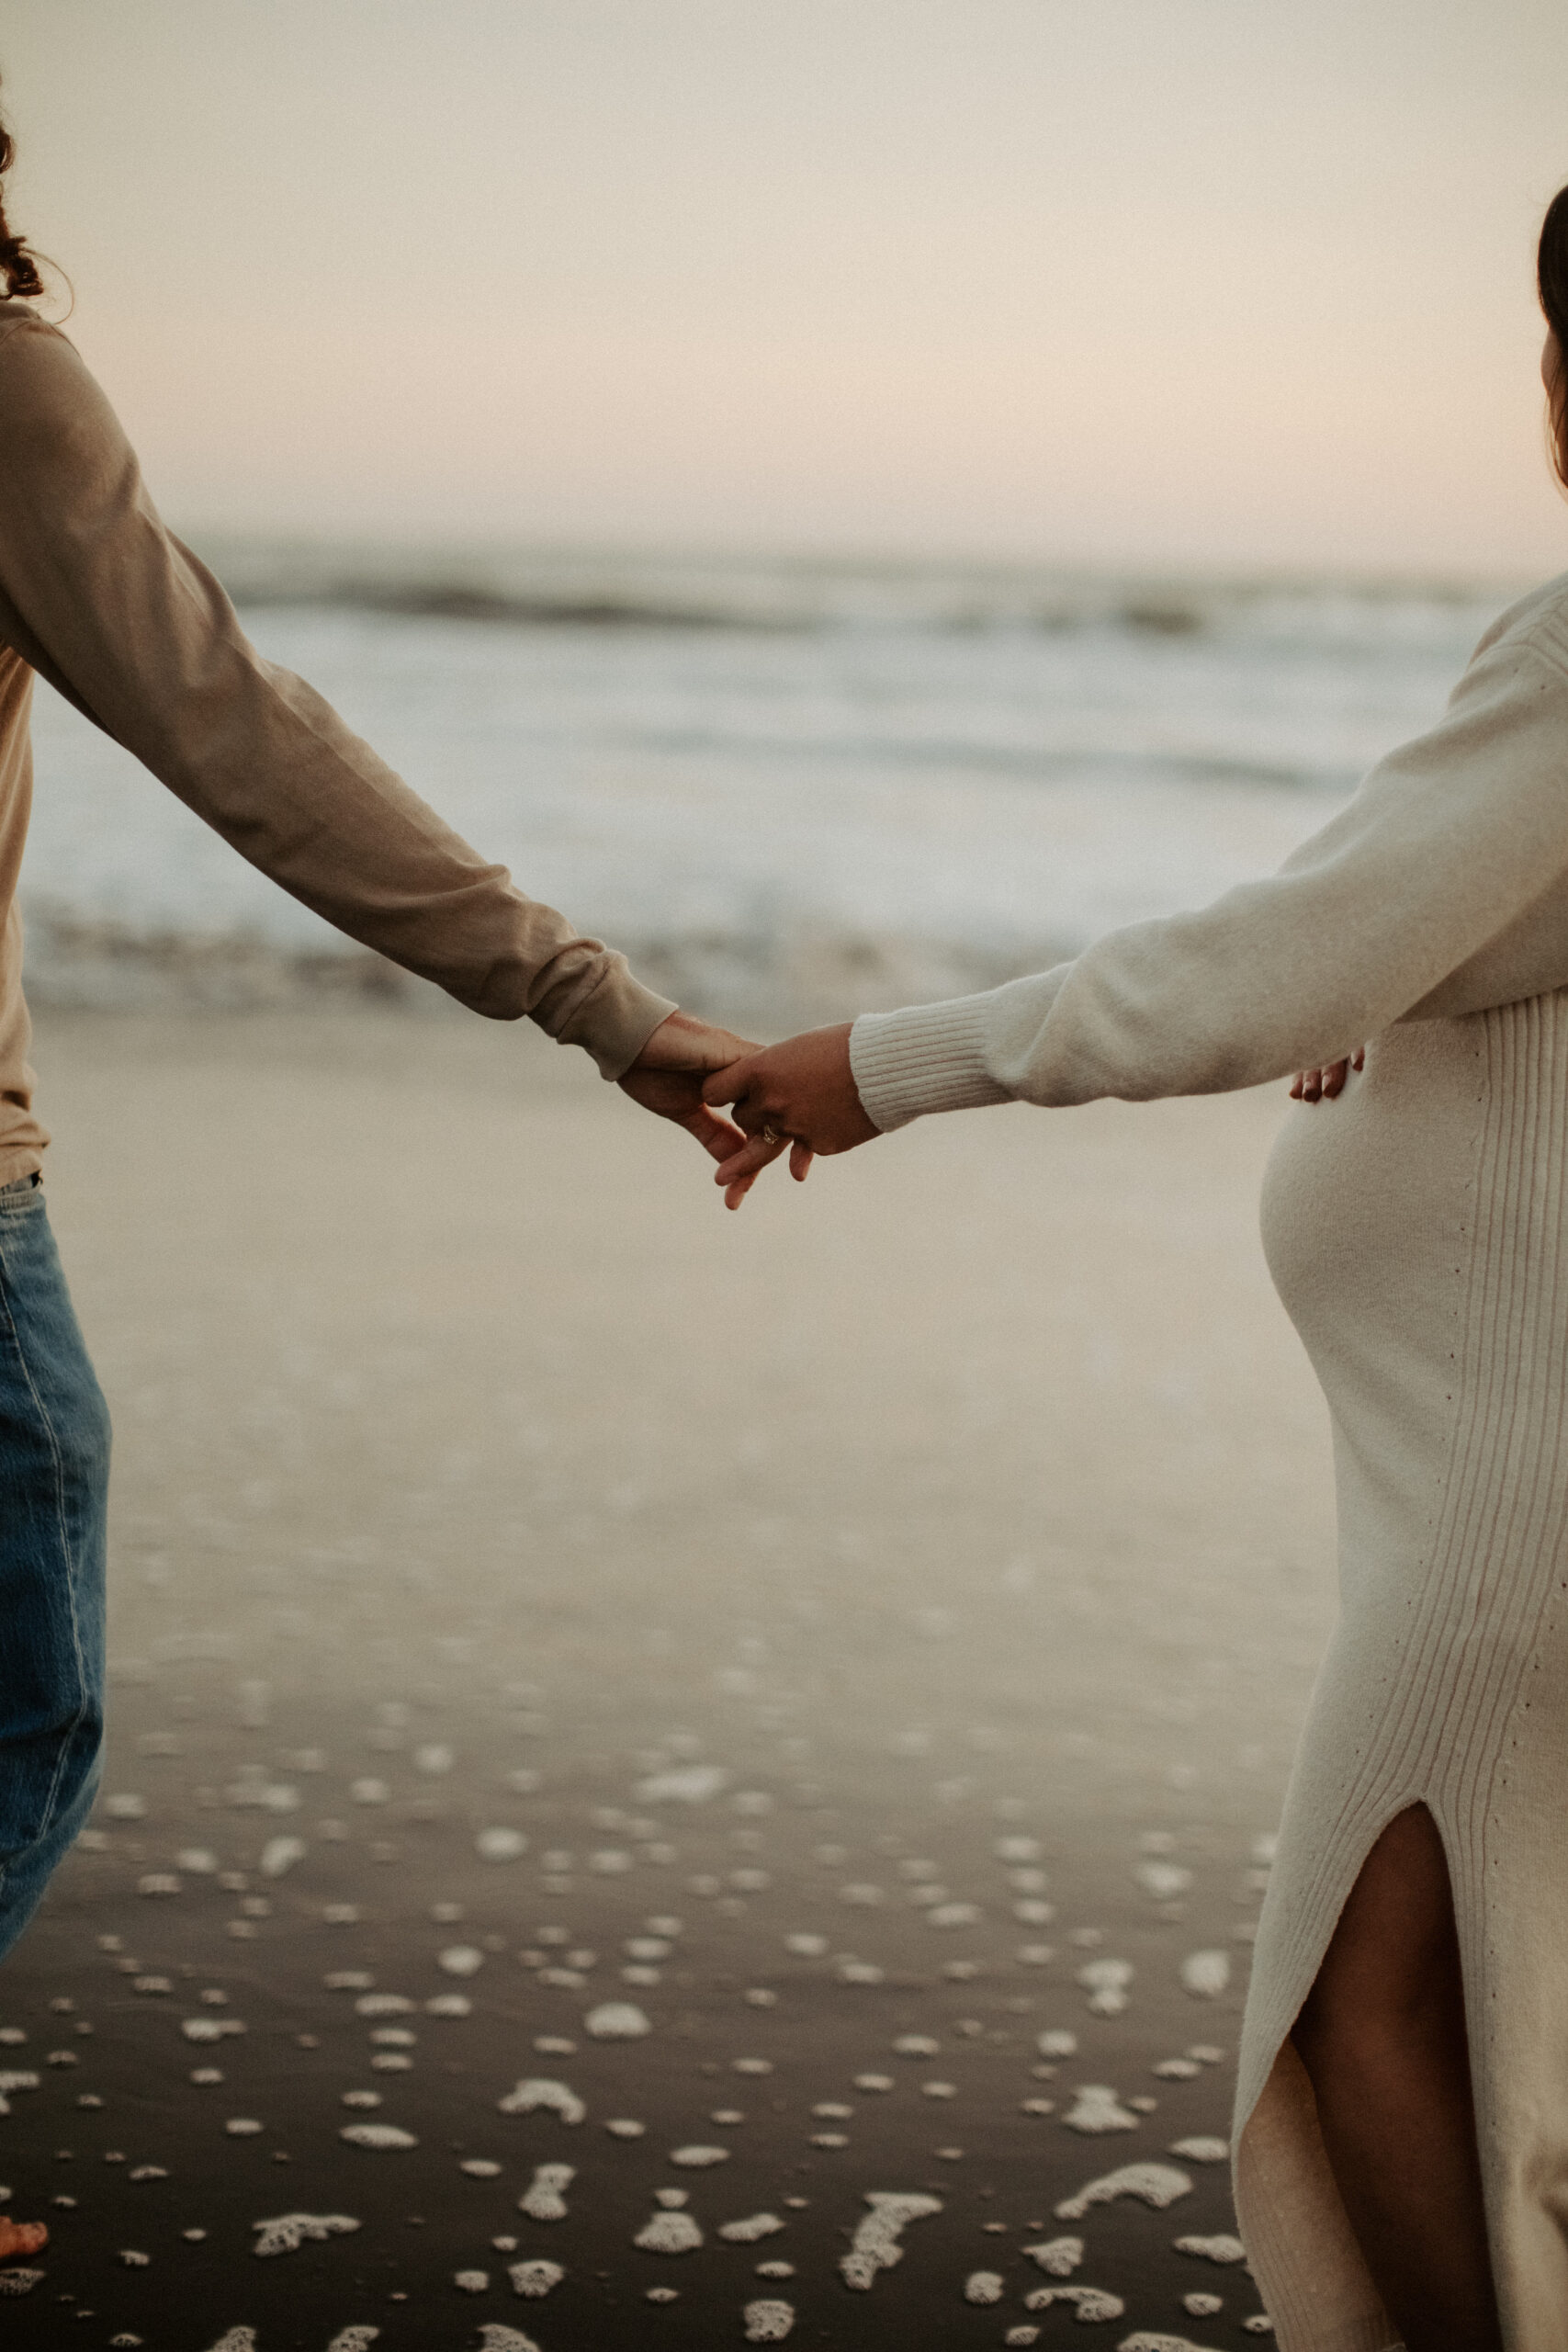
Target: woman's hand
point(803, 1093)
point(666, 1079)
point(1322, 1085)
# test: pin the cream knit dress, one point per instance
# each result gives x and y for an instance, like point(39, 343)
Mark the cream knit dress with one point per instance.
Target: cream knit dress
point(1417, 1230)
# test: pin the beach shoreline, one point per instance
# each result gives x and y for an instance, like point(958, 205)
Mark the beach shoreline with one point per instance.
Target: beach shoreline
point(973, 1499)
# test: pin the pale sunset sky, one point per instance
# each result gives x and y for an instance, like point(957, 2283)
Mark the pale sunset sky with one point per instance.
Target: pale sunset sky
point(1176, 283)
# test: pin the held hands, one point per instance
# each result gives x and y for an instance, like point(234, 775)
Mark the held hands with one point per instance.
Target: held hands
point(800, 1095)
point(666, 1079)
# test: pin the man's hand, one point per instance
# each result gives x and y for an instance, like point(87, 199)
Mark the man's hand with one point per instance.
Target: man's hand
point(803, 1093)
point(666, 1079)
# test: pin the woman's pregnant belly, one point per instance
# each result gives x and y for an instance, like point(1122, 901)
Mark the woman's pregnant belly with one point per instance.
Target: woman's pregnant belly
point(1369, 1217)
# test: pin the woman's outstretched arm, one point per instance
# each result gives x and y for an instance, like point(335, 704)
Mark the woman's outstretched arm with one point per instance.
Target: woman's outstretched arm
point(1440, 888)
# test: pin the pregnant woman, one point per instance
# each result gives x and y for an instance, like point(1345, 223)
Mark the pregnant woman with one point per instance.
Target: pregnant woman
point(97, 597)
point(1402, 2113)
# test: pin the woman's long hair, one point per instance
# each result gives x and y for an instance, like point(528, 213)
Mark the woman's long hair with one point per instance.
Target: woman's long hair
point(1551, 284)
point(19, 265)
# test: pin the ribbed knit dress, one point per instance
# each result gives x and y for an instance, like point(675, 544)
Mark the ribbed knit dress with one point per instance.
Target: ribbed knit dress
point(1417, 1231)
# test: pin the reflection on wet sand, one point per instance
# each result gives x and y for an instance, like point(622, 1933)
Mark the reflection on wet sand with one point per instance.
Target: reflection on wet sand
point(708, 1776)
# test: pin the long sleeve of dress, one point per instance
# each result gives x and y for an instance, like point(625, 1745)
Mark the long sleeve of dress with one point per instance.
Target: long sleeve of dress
point(1440, 888)
point(101, 600)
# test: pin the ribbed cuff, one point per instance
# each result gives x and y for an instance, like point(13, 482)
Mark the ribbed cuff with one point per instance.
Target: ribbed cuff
point(617, 1020)
point(926, 1057)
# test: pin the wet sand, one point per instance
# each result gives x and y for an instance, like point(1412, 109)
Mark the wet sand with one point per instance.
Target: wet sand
point(881, 1618)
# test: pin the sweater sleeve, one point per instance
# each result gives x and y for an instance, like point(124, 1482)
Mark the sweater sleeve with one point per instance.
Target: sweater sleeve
point(108, 605)
point(1392, 911)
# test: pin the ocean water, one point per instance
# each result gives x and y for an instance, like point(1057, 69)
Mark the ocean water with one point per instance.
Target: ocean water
point(816, 785)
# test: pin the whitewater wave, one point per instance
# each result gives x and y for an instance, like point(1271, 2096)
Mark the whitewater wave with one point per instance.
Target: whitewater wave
point(762, 983)
point(790, 791)
point(533, 588)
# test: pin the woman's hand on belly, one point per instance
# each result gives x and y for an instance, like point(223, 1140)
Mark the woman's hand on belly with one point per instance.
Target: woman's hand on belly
point(1322, 1085)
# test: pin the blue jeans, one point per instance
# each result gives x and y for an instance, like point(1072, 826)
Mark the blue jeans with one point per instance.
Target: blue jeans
point(54, 1468)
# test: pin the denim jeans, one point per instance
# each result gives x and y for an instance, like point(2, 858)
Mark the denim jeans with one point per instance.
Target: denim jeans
point(54, 1463)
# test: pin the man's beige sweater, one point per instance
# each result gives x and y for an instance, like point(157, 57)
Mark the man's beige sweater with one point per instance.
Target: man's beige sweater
point(97, 597)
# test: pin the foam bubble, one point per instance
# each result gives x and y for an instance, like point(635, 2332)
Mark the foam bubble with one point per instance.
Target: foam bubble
point(1106, 1982)
point(768, 2321)
point(500, 1845)
point(669, 2232)
point(1095, 2107)
point(875, 2245)
point(1155, 2184)
point(748, 2231)
point(280, 1854)
point(617, 2021)
point(460, 1960)
point(539, 2091)
point(534, 2280)
point(1206, 1974)
point(1163, 1879)
point(1058, 2258)
point(690, 1784)
point(1088, 2303)
point(544, 2199)
point(1147, 2340)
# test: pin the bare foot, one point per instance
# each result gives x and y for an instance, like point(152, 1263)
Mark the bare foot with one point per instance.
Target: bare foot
point(19, 2238)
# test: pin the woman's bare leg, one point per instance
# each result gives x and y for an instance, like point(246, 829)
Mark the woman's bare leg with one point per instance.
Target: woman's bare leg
point(20, 2238)
point(1382, 2036)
